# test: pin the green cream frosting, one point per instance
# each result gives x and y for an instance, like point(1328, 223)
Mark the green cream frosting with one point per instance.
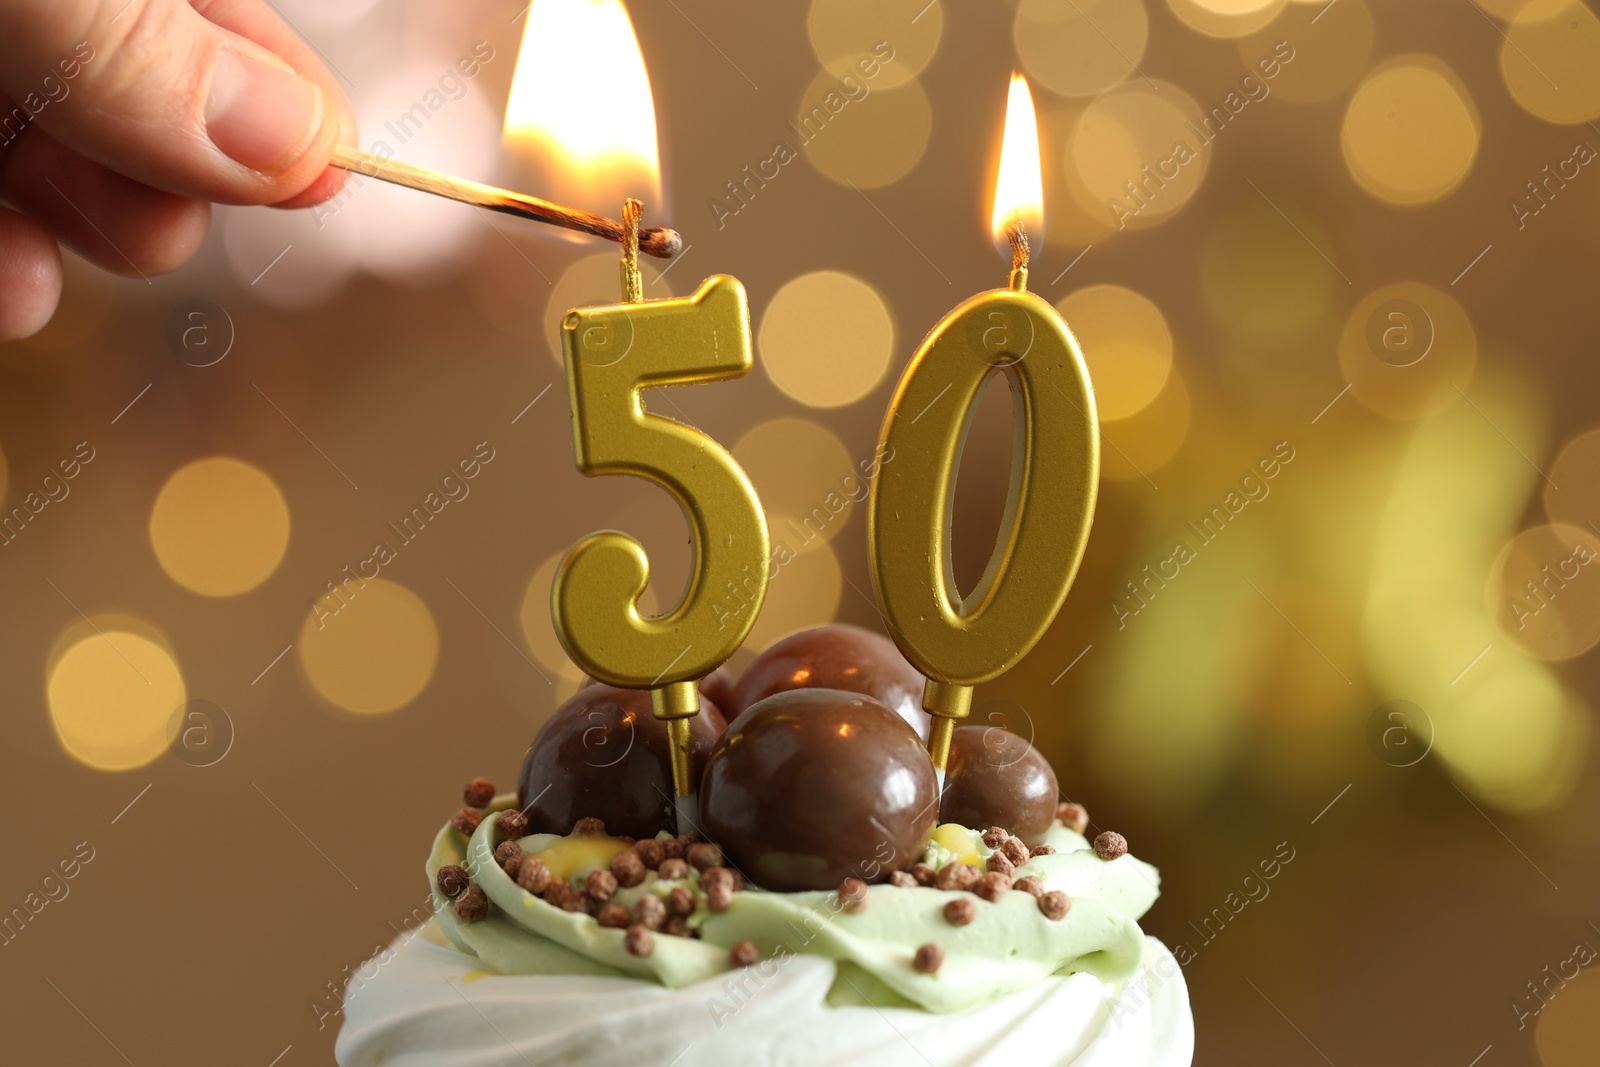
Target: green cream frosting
point(1008, 946)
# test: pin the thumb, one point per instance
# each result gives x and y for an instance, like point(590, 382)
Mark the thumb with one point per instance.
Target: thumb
point(156, 91)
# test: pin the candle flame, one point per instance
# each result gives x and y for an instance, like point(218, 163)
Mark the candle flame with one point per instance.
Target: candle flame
point(1019, 188)
point(581, 114)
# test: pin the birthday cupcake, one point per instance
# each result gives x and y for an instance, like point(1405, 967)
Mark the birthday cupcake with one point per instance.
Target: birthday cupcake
point(832, 906)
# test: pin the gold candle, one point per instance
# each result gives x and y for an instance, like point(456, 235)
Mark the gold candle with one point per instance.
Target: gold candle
point(612, 354)
point(958, 640)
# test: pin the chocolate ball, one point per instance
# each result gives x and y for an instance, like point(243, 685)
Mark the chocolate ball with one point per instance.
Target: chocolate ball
point(604, 755)
point(837, 656)
point(812, 786)
point(995, 778)
point(716, 687)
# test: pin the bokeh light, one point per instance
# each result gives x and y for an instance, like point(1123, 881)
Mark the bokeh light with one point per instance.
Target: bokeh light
point(1226, 18)
point(1125, 341)
point(1138, 154)
point(1514, 736)
point(1343, 34)
point(112, 695)
point(1549, 60)
point(1411, 131)
point(1568, 1028)
point(826, 339)
point(219, 526)
point(1544, 591)
point(861, 135)
point(803, 472)
point(376, 653)
point(1134, 448)
point(845, 34)
point(1408, 350)
point(803, 590)
point(291, 260)
point(1572, 495)
point(1080, 47)
point(594, 280)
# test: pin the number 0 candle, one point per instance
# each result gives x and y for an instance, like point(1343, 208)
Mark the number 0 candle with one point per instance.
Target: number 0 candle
point(957, 640)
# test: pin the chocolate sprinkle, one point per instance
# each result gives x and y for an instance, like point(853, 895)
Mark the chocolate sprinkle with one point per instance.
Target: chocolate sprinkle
point(533, 875)
point(478, 792)
point(960, 911)
point(638, 941)
point(472, 905)
point(512, 824)
point(993, 886)
point(1110, 845)
point(601, 885)
point(627, 868)
point(649, 911)
point(452, 880)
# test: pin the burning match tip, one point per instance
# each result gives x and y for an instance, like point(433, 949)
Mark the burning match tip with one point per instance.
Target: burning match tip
point(660, 242)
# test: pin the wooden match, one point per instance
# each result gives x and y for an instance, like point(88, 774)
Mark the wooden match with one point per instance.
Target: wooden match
point(659, 242)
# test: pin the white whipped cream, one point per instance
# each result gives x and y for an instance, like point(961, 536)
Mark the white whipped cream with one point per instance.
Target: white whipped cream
point(431, 1004)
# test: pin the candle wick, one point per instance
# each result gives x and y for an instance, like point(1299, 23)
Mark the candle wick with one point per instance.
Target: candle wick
point(1019, 252)
point(632, 283)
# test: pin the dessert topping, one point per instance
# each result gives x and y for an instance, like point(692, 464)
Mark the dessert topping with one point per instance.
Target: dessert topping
point(1055, 904)
point(466, 820)
point(627, 868)
point(638, 941)
point(1110, 845)
point(1074, 817)
point(649, 912)
point(903, 879)
point(702, 855)
point(680, 901)
point(533, 875)
point(601, 885)
point(1031, 884)
point(744, 954)
point(478, 793)
point(589, 827)
point(508, 854)
point(650, 852)
point(452, 880)
point(928, 959)
point(613, 917)
point(472, 905)
point(512, 824)
point(960, 911)
point(993, 886)
point(671, 870)
point(853, 896)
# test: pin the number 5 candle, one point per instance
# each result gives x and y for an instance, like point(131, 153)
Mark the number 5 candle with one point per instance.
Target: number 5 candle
point(959, 640)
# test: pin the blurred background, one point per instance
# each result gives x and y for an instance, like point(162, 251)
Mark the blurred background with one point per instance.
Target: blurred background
point(1326, 262)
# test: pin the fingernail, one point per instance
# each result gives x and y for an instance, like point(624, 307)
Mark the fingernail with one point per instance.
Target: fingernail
point(260, 115)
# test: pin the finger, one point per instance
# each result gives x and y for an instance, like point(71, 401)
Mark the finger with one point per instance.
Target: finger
point(253, 20)
point(154, 90)
point(118, 223)
point(30, 276)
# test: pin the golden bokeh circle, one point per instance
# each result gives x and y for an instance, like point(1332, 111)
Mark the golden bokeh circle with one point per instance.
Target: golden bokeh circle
point(1572, 495)
point(1408, 350)
point(1514, 736)
point(870, 141)
point(592, 281)
point(1134, 448)
point(1550, 60)
point(846, 34)
point(1226, 18)
point(112, 696)
point(804, 473)
point(1080, 47)
point(1544, 591)
point(219, 526)
point(1568, 1028)
point(803, 585)
point(1410, 132)
point(376, 653)
point(1343, 36)
point(1125, 341)
point(826, 339)
point(1134, 155)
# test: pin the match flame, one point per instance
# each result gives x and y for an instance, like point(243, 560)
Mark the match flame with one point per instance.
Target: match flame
point(1019, 189)
point(581, 114)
